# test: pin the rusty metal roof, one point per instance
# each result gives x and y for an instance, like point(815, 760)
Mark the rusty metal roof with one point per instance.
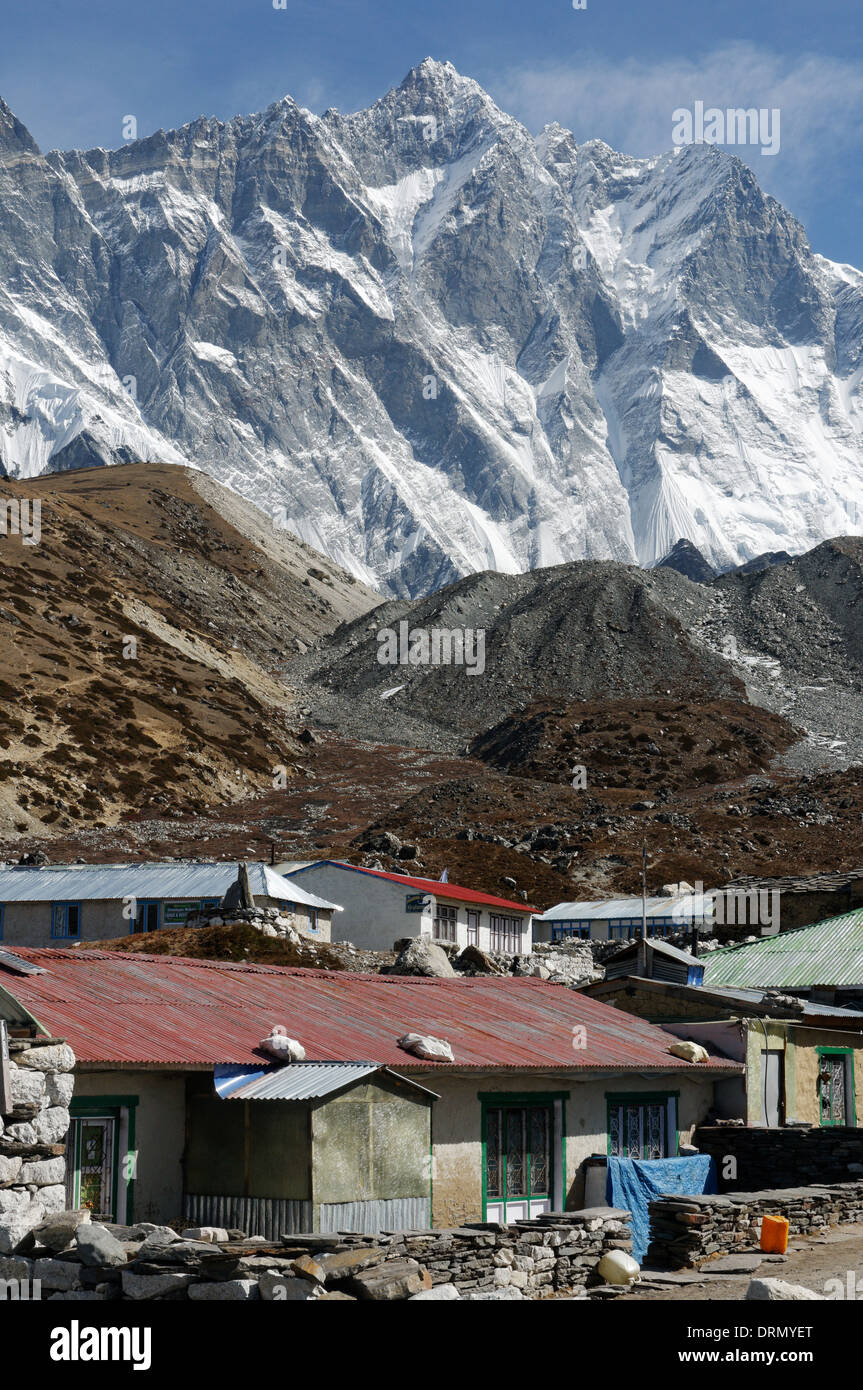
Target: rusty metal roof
point(128, 1008)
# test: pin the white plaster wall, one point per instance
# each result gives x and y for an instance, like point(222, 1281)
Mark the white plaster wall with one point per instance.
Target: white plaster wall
point(457, 1128)
point(160, 1135)
point(374, 913)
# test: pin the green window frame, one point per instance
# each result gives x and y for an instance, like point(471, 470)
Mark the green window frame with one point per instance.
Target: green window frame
point(850, 1102)
point(509, 1100)
point(123, 1163)
point(620, 1101)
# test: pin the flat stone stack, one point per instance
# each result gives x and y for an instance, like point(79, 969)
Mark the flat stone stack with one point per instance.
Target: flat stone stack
point(33, 1136)
point(267, 920)
point(74, 1258)
point(782, 1157)
point(686, 1231)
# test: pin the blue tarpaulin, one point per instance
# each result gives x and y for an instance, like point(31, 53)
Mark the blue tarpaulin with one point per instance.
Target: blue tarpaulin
point(633, 1182)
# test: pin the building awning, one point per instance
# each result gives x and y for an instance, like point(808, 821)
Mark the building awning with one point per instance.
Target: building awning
point(300, 1080)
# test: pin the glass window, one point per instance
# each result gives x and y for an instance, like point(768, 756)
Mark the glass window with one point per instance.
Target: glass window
point(505, 934)
point(66, 920)
point(445, 923)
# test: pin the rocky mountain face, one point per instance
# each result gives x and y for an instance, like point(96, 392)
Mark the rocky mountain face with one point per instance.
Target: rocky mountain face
point(430, 344)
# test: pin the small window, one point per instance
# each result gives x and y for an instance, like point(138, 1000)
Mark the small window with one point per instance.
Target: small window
point(473, 928)
point(313, 919)
point(506, 934)
point(147, 918)
point(643, 1127)
point(66, 920)
point(445, 923)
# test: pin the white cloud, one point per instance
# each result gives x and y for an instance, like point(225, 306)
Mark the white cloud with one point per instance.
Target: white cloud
point(630, 105)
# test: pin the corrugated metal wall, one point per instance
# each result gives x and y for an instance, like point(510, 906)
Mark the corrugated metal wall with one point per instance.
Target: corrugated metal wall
point(393, 1214)
point(256, 1216)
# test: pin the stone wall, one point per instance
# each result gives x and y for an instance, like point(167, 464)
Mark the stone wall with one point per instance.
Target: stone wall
point(33, 1136)
point(73, 1258)
point(768, 1158)
point(686, 1231)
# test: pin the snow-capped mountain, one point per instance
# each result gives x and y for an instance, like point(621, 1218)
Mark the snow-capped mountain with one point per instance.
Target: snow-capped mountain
point(429, 343)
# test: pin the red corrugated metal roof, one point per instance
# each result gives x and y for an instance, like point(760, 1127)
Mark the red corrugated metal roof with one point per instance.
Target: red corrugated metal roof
point(126, 1007)
point(441, 889)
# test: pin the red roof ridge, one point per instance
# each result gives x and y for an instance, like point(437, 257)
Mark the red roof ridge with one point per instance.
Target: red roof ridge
point(474, 894)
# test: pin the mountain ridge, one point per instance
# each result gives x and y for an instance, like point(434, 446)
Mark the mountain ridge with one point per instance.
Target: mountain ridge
point(429, 343)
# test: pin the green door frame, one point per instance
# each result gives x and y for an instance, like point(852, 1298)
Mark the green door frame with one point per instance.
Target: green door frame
point(497, 1100)
point(112, 1107)
point(850, 1097)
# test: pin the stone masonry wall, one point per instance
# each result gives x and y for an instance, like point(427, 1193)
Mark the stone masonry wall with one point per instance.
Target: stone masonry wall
point(33, 1136)
point(786, 1157)
point(686, 1231)
point(74, 1258)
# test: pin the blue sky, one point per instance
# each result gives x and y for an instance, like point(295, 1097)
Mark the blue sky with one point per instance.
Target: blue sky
point(615, 70)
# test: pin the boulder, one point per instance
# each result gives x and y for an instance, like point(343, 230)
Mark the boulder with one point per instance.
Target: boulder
point(308, 1268)
point(57, 1231)
point(778, 1291)
point(57, 1274)
point(228, 1291)
point(423, 957)
point(441, 1293)
point(96, 1246)
point(472, 958)
point(285, 1288)
point(143, 1286)
point(54, 1057)
point(390, 1280)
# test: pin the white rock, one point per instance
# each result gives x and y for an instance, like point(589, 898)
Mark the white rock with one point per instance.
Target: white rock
point(46, 1171)
point(216, 1234)
point(53, 1198)
point(28, 1086)
point(9, 1168)
point(441, 1293)
point(60, 1086)
point(55, 1057)
point(778, 1291)
point(52, 1125)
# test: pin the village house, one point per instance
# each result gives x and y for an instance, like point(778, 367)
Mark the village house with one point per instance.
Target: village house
point(63, 903)
point(381, 908)
point(619, 919)
point(178, 1112)
point(803, 1058)
point(803, 899)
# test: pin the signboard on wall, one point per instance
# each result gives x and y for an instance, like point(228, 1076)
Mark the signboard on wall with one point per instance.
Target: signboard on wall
point(6, 1102)
point(175, 914)
point(416, 902)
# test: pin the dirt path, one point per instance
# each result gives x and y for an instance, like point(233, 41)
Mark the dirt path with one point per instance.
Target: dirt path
point(810, 1261)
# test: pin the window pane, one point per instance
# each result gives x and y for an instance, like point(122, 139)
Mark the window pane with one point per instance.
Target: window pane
point(516, 1167)
point(539, 1150)
point(492, 1154)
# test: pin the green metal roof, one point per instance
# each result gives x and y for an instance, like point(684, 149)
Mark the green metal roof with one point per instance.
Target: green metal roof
point(826, 953)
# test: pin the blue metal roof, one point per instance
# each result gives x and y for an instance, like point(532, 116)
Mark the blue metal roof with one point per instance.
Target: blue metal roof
point(89, 882)
point(683, 908)
point(298, 1080)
